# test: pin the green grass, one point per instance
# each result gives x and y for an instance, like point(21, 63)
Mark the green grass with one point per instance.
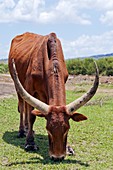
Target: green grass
point(92, 140)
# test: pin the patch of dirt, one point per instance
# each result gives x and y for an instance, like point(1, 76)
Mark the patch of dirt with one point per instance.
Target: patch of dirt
point(82, 80)
point(7, 88)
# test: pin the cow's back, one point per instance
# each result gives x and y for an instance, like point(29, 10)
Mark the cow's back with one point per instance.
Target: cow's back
point(21, 50)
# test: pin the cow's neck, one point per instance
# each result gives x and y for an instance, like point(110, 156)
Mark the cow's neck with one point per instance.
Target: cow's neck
point(56, 85)
point(55, 77)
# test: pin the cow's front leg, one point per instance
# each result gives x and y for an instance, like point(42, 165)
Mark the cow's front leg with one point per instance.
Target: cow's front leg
point(30, 144)
point(21, 132)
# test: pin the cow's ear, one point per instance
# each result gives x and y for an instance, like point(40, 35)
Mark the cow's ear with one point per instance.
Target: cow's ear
point(37, 113)
point(78, 117)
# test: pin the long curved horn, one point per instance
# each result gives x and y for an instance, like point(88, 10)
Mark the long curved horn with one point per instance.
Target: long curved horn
point(73, 106)
point(25, 95)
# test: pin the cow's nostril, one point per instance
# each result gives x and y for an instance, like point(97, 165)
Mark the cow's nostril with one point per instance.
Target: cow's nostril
point(63, 158)
point(54, 158)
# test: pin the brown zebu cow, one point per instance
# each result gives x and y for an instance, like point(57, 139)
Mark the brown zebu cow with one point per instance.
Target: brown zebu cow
point(40, 83)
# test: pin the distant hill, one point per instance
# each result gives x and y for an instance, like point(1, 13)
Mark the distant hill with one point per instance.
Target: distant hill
point(4, 61)
point(102, 55)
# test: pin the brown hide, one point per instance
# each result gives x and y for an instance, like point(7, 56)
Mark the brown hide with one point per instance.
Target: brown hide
point(42, 71)
point(35, 68)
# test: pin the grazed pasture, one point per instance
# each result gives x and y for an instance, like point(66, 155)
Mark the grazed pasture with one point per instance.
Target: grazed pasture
point(92, 140)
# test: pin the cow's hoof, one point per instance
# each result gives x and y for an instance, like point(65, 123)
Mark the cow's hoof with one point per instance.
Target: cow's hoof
point(21, 134)
point(69, 151)
point(29, 147)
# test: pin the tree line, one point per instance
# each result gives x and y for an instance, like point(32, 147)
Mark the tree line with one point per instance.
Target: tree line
point(86, 66)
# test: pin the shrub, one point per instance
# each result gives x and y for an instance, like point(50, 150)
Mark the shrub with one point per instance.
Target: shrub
point(86, 66)
point(80, 66)
point(3, 68)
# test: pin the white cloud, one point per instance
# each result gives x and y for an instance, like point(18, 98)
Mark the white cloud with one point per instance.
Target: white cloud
point(65, 11)
point(72, 11)
point(107, 18)
point(46, 17)
point(7, 4)
point(39, 11)
point(87, 45)
point(103, 4)
point(5, 7)
point(77, 11)
point(69, 10)
point(22, 10)
point(106, 11)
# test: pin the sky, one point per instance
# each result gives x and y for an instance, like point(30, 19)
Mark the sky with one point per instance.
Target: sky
point(84, 27)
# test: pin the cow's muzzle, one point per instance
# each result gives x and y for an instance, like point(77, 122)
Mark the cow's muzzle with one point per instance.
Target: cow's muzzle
point(57, 158)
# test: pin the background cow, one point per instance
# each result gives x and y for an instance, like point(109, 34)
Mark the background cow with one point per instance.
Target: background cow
point(37, 66)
